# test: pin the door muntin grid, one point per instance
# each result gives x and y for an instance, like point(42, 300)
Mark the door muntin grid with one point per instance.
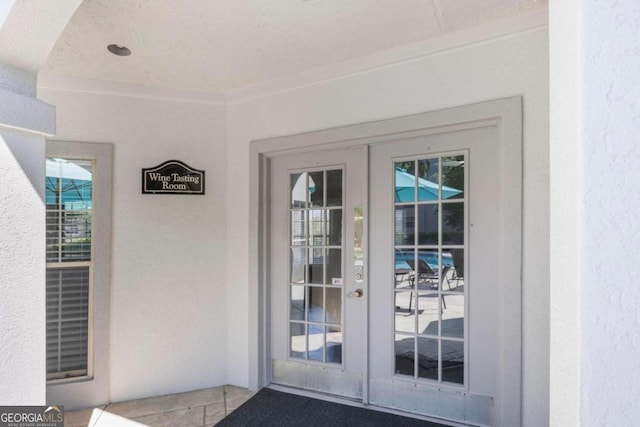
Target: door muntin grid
point(430, 299)
point(316, 265)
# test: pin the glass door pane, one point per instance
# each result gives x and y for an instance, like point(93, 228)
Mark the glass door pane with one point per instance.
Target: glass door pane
point(316, 271)
point(429, 286)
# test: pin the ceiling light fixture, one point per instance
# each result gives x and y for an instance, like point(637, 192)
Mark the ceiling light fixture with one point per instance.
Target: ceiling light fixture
point(119, 50)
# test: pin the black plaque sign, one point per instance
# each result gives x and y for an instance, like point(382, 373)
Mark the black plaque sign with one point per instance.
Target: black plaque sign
point(172, 177)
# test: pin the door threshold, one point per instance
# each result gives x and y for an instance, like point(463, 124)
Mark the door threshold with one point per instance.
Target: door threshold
point(358, 404)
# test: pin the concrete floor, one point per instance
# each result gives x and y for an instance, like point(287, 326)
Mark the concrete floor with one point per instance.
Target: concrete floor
point(200, 408)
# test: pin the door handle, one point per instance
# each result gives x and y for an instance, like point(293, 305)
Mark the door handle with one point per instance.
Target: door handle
point(356, 294)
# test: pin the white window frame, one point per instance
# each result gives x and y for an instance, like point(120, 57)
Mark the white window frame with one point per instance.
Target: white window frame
point(92, 388)
point(71, 265)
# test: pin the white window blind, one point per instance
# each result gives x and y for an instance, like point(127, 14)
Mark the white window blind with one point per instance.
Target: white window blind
point(69, 248)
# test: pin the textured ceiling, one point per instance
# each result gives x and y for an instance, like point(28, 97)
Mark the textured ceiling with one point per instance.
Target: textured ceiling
point(222, 45)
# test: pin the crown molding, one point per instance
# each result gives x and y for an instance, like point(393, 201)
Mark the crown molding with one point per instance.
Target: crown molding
point(54, 82)
point(486, 33)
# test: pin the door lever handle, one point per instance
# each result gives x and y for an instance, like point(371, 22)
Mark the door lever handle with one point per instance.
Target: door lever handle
point(356, 294)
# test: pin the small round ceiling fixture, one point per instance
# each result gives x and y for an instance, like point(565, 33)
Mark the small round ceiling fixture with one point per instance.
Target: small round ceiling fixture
point(119, 50)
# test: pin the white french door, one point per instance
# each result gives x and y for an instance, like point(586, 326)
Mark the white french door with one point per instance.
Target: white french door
point(393, 272)
point(434, 261)
point(317, 276)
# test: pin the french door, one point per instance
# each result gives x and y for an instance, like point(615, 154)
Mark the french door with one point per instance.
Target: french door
point(387, 278)
point(317, 273)
point(433, 275)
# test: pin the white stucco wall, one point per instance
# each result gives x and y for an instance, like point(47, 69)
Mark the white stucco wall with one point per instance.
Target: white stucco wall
point(507, 66)
point(598, 107)
point(22, 269)
point(610, 316)
point(168, 292)
point(23, 122)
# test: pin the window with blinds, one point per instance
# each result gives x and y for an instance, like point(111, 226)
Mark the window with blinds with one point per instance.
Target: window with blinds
point(69, 256)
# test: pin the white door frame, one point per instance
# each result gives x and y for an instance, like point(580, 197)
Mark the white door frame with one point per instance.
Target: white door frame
point(506, 114)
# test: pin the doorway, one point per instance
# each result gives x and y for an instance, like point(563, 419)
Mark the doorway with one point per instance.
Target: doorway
point(390, 264)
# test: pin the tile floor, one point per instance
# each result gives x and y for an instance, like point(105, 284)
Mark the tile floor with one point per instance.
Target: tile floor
point(200, 408)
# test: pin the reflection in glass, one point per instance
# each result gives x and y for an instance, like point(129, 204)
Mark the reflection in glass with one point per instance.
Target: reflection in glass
point(428, 358)
point(453, 223)
point(427, 276)
point(316, 227)
point(316, 342)
point(405, 225)
point(297, 302)
point(428, 306)
point(429, 227)
point(428, 224)
point(453, 316)
point(453, 361)
point(404, 348)
point(334, 305)
point(404, 272)
point(334, 265)
point(405, 181)
point(428, 188)
point(453, 177)
point(298, 340)
point(334, 344)
point(53, 235)
point(68, 198)
point(73, 233)
point(316, 256)
point(298, 190)
point(334, 227)
point(298, 228)
point(358, 233)
point(334, 187)
point(455, 279)
point(405, 312)
point(316, 304)
point(297, 262)
point(316, 189)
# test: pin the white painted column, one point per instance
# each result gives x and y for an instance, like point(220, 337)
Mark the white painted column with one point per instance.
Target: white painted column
point(23, 123)
point(28, 31)
point(595, 220)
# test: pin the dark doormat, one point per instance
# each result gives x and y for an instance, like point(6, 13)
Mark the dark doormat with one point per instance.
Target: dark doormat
point(274, 408)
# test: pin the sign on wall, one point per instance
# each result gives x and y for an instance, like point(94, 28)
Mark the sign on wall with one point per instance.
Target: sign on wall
point(172, 177)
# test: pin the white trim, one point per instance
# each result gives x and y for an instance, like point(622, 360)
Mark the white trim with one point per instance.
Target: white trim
point(365, 283)
point(48, 81)
point(93, 389)
point(487, 33)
